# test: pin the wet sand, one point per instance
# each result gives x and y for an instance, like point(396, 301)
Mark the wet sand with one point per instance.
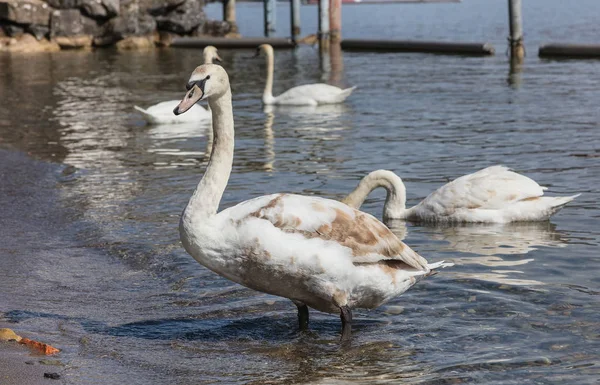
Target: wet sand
point(26, 208)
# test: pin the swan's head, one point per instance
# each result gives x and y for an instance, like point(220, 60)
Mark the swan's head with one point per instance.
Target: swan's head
point(266, 49)
point(211, 54)
point(207, 81)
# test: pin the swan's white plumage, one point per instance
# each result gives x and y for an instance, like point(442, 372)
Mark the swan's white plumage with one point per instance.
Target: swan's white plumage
point(492, 195)
point(304, 95)
point(162, 113)
point(312, 250)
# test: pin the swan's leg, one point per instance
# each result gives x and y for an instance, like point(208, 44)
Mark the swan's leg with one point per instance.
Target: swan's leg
point(302, 315)
point(346, 317)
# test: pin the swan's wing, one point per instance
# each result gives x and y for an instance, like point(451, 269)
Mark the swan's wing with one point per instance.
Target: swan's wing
point(490, 189)
point(366, 239)
point(318, 93)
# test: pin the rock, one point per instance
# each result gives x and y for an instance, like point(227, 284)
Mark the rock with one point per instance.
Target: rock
point(213, 28)
point(39, 31)
point(136, 43)
point(100, 9)
point(183, 19)
point(13, 30)
point(27, 43)
point(130, 22)
point(159, 7)
point(73, 42)
point(42, 347)
point(64, 4)
point(7, 334)
point(25, 11)
point(52, 376)
point(70, 22)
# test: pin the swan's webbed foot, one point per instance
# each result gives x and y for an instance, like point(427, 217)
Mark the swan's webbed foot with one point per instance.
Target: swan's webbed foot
point(346, 317)
point(302, 316)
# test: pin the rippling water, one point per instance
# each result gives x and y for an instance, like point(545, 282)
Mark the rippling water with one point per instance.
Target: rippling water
point(106, 279)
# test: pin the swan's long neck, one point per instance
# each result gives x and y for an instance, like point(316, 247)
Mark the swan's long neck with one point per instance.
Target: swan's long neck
point(395, 201)
point(268, 92)
point(204, 202)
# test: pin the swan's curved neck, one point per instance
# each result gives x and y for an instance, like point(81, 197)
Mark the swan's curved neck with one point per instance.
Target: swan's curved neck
point(204, 202)
point(268, 92)
point(395, 201)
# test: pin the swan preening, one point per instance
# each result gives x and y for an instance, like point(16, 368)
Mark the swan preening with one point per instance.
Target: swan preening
point(492, 195)
point(317, 252)
point(304, 95)
point(162, 113)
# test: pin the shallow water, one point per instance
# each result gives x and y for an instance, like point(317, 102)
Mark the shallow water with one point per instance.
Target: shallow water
point(91, 258)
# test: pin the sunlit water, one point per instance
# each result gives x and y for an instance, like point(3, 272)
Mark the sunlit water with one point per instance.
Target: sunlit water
point(103, 275)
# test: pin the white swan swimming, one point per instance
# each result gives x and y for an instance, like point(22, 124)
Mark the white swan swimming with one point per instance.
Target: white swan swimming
point(162, 113)
point(492, 195)
point(317, 252)
point(304, 95)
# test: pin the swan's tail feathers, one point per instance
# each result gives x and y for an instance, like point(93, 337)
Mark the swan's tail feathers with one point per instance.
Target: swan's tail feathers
point(344, 94)
point(558, 203)
point(437, 265)
point(140, 109)
point(149, 118)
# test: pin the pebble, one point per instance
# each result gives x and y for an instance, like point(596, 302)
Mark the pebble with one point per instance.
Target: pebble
point(53, 376)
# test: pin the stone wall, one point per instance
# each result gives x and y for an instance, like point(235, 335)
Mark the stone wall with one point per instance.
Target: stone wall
point(73, 24)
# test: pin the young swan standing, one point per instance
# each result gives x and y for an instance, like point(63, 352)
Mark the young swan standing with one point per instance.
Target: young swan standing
point(492, 195)
point(162, 113)
point(305, 95)
point(317, 252)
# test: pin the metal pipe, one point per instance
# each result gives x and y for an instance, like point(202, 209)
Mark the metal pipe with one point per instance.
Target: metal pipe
point(222, 42)
point(229, 15)
point(517, 49)
point(269, 12)
point(570, 50)
point(295, 19)
point(418, 46)
point(324, 25)
point(335, 21)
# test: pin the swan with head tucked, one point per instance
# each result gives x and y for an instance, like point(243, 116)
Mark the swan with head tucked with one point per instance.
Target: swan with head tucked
point(304, 95)
point(492, 195)
point(317, 252)
point(162, 113)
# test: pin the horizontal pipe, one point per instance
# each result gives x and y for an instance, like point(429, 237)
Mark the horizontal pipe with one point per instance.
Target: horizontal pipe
point(221, 42)
point(418, 46)
point(570, 50)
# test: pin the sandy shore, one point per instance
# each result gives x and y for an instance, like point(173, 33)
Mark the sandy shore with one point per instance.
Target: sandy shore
point(19, 365)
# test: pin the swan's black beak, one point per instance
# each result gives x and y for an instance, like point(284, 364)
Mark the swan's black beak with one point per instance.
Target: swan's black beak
point(218, 59)
point(193, 95)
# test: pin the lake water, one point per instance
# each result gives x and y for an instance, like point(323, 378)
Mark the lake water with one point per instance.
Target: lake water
point(90, 259)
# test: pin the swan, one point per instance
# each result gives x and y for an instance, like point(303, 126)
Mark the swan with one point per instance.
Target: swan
point(317, 252)
point(162, 113)
point(304, 95)
point(492, 195)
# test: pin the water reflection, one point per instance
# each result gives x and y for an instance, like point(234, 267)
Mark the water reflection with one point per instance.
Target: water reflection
point(490, 245)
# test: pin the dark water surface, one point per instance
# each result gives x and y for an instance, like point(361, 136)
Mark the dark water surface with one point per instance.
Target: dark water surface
point(89, 250)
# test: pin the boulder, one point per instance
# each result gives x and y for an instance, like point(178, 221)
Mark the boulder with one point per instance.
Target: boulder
point(100, 9)
point(25, 11)
point(64, 4)
point(70, 22)
point(39, 31)
point(136, 43)
point(183, 19)
point(213, 28)
point(27, 43)
point(13, 30)
point(159, 7)
point(73, 42)
point(130, 22)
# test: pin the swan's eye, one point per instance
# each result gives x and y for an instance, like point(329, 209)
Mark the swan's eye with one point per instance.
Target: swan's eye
point(207, 77)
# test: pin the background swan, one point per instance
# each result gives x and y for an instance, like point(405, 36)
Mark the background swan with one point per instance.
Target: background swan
point(162, 113)
point(493, 195)
point(317, 252)
point(304, 95)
